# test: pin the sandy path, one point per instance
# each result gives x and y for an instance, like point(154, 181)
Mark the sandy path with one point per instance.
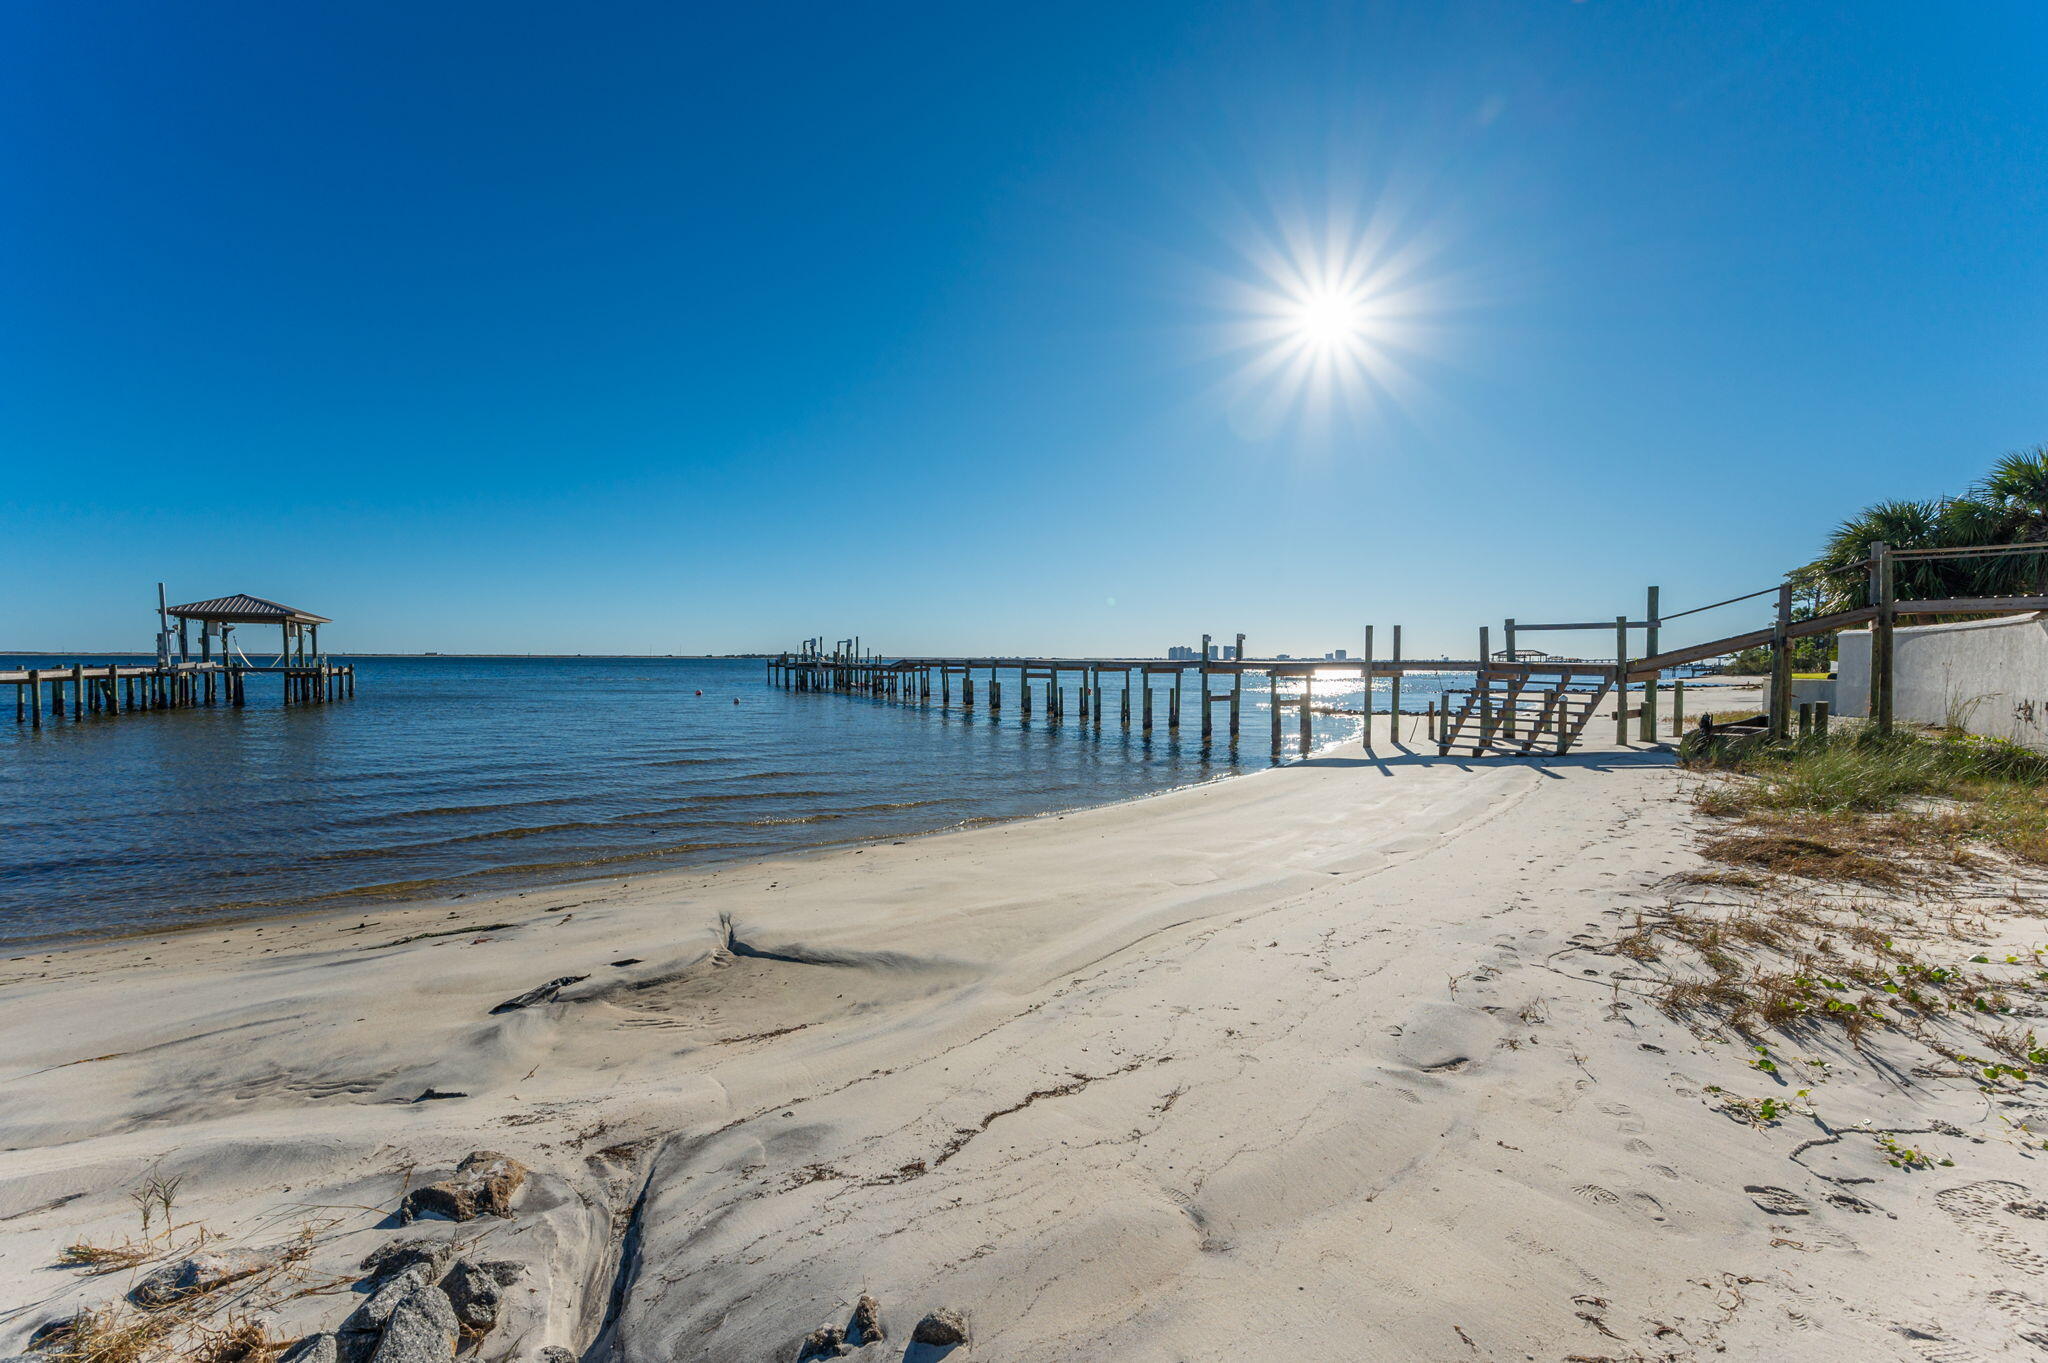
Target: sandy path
point(1301, 1063)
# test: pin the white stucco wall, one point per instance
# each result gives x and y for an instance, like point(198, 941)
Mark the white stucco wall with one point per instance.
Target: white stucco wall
point(1991, 675)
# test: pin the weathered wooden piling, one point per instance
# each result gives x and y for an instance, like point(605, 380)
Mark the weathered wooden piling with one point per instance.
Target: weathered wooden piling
point(1365, 702)
point(1393, 687)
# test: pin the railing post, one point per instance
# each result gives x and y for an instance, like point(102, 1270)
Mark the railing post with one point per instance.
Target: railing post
point(1781, 666)
point(1483, 685)
point(1507, 641)
point(1621, 680)
point(1366, 704)
point(1882, 642)
point(1649, 728)
point(1394, 689)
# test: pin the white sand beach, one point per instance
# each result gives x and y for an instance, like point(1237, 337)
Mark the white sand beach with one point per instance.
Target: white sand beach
point(1328, 1061)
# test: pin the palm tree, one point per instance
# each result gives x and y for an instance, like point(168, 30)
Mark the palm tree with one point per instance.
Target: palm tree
point(2015, 500)
point(1942, 524)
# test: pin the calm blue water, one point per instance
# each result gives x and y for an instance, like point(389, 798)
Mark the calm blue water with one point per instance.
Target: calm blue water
point(446, 775)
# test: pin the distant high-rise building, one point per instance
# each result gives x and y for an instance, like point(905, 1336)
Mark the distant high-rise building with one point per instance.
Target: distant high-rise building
point(1340, 655)
point(1215, 653)
point(1180, 653)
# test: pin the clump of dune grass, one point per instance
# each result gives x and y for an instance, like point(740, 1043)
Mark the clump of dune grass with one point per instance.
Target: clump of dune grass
point(1794, 853)
point(105, 1258)
point(1811, 966)
point(1928, 790)
point(105, 1335)
point(241, 1339)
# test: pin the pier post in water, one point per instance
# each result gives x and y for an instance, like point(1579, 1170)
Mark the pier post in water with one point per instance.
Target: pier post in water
point(1237, 686)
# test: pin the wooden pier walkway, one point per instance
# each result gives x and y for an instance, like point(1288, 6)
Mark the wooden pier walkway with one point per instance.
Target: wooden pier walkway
point(1520, 703)
point(80, 690)
point(1143, 691)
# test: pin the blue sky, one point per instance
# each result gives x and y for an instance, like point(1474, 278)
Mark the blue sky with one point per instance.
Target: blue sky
point(660, 328)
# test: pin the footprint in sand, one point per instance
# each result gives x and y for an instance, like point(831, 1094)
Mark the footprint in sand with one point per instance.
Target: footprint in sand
point(1637, 1145)
point(1995, 1212)
point(1929, 1343)
point(1778, 1201)
point(1597, 1195)
point(1626, 1120)
point(2029, 1318)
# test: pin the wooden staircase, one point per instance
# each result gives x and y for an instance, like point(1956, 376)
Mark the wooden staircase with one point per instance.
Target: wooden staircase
point(1521, 708)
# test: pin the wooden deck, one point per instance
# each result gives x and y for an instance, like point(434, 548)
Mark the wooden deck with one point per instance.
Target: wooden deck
point(78, 691)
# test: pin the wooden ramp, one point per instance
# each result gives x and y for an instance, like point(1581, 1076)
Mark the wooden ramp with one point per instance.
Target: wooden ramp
point(1521, 708)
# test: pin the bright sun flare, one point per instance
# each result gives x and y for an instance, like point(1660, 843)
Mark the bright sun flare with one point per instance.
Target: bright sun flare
point(1336, 311)
point(1328, 320)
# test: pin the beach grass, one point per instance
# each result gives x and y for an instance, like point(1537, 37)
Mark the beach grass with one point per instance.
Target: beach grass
point(1906, 789)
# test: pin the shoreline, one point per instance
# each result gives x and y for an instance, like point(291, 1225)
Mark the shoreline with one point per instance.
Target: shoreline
point(406, 895)
point(367, 899)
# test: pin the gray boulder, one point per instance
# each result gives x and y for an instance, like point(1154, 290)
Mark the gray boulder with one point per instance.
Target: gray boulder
point(375, 1310)
point(422, 1329)
point(484, 1184)
point(474, 1293)
point(941, 1326)
point(555, 1353)
point(320, 1348)
point(410, 1251)
point(196, 1273)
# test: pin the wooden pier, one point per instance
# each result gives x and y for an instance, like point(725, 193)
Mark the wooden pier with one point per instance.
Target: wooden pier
point(1521, 702)
point(81, 690)
point(1140, 693)
point(179, 679)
